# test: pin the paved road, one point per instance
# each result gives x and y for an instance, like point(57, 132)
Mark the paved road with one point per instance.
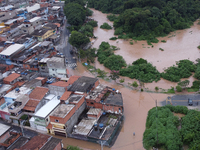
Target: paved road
point(66, 47)
point(183, 100)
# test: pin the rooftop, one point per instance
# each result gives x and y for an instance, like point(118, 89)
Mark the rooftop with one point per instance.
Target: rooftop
point(83, 84)
point(4, 88)
point(12, 49)
point(60, 83)
point(84, 126)
point(40, 32)
point(51, 144)
point(56, 59)
point(55, 7)
point(44, 111)
point(93, 111)
point(31, 105)
point(66, 95)
point(34, 19)
point(38, 93)
point(36, 142)
point(62, 110)
point(75, 98)
point(33, 8)
point(11, 77)
point(44, 60)
point(3, 128)
point(114, 99)
point(18, 143)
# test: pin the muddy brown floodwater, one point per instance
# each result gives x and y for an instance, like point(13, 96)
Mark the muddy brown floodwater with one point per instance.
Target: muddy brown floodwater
point(182, 44)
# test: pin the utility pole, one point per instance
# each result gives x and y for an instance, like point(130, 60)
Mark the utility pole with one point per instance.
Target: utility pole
point(157, 123)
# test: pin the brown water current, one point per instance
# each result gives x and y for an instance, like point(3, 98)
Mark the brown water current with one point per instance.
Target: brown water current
point(183, 45)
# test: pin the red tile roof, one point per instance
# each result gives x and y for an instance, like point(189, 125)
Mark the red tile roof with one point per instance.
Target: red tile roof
point(35, 143)
point(11, 77)
point(38, 93)
point(31, 105)
point(60, 83)
point(65, 95)
point(72, 79)
point(58, 24)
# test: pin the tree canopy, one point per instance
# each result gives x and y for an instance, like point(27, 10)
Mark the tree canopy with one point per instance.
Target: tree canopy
point(78, 39)
point(146, 19)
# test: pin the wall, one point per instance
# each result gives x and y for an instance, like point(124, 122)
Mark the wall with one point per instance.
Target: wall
point(4, 137)
point(47, 34)
point(58, 147)
point(112, 108)
point(58, 72)
point(74, 119)
point(56, 90)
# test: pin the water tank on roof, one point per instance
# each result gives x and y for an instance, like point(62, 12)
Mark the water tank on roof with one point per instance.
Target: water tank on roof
point(113, 89)
point(58, 97)
point(104, 113)
point(101, 125)
point(36, 59)
point(17, 89)
point(1, 85)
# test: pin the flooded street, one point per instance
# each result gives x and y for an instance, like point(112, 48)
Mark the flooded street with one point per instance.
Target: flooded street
point(183, 45)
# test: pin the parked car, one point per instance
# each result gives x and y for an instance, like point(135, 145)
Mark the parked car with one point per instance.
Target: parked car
point(190, 102)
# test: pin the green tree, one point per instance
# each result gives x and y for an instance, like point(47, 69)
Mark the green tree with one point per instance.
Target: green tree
point(179, 88)
point(115, 62)
point(184, 84)
point(77, 39)
point(114, 75)
point(75, 14)
point(73, 148)
point(134, 84)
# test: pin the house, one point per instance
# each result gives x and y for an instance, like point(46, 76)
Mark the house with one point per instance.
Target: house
point(84, 84)
point(11, 51)
point(34, 99)
point(106, 99)
point(30, 25)
point(41, 117)
point(18, 143)
point(42, 66)
point(42, 142)
point(33, 8)
point(15, 109)
point(65, 116)
point(43, 33)
point(12, 79)
point(3, 70)
point(94, 113)
point(4, 132)
point(57, 67)
point(58, 88)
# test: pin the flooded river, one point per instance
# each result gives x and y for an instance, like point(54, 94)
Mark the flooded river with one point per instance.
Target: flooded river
point(180, 45)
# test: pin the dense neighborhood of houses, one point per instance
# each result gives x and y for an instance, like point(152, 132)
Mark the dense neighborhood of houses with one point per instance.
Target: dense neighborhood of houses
point(36, 89)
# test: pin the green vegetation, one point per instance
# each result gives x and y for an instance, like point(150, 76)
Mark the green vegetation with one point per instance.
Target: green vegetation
point(114, 75)
point(78, 39)
point(105, 26)
point(162, 121)
point(161, 49)
point(87, 30)
point(183, 69)
point(134, 84)
point(179, 88)
point(148, 19)
point(106, 56)
point(131, 42)
point(75, 14)
point(156, 88)
point(113, 38)
point(115, 62)
point(73, 148)
point(197, 72)
point(184, 84)
point(92, 23)
point(198, 47)
point(121, 80)
point(141, 70)
point(163, 41)
point(112, 17)
point(170, 91)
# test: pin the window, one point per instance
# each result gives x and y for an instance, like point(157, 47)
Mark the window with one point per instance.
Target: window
point(26, 25)
point(52, 69)
point(47, 119)
point(91, 103)
point(24, 30)
point(56, 120)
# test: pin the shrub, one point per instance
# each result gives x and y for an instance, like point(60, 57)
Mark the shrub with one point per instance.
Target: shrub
point(196, 84)
point(179, 88)
point(121, 80)
point(115, 62)
point(198, 47)
point(112, 17)
point(140, 61)
point(156, 88)
point(134, 84)
point(161, 49)
point(105, 26)
point(113, 38)
point(118, 31)
point(163, 41)
point(92, 23)
point(131, 43)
